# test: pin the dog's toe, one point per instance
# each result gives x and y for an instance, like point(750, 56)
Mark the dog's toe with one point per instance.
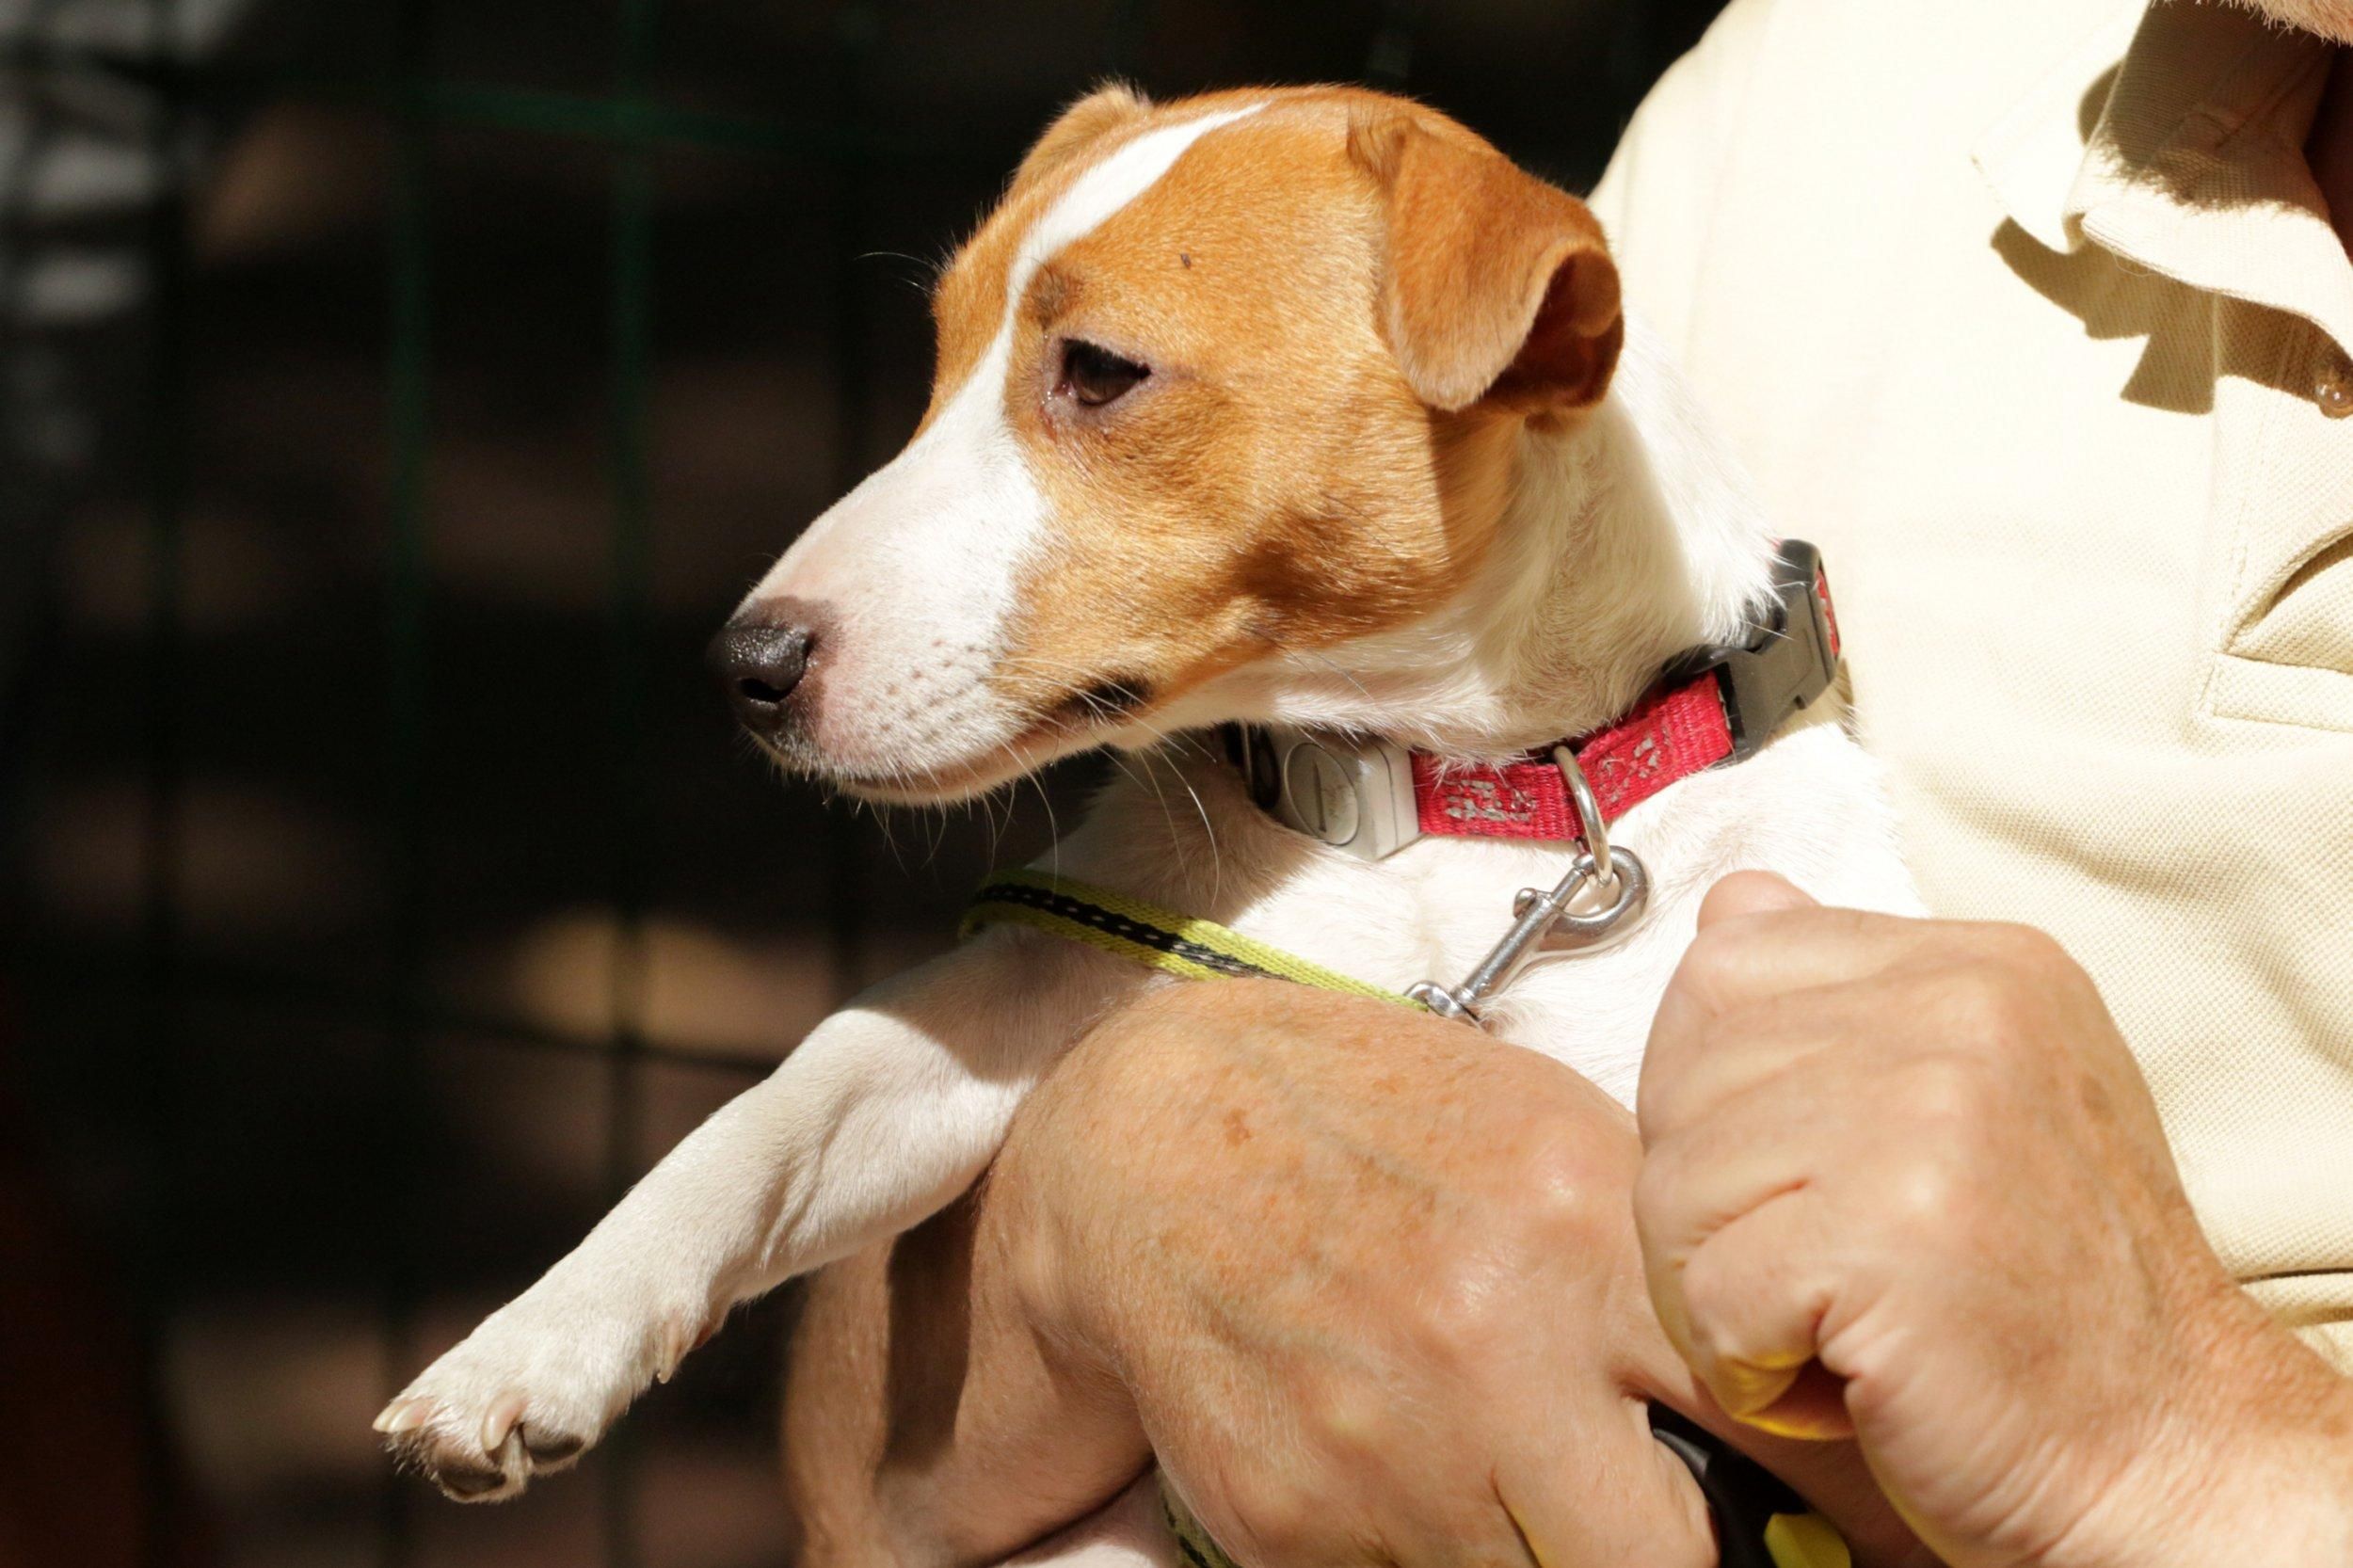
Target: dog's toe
point(467, 1484)
point(483, 1458)
point(548, 1449)
point(461, 1471)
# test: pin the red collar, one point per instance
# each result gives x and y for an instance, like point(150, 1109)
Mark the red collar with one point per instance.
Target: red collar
point(1710, 706)
point(1673, 732)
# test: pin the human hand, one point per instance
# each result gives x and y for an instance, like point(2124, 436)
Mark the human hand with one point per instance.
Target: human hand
point(1903, 1181)
point(1369, 1284)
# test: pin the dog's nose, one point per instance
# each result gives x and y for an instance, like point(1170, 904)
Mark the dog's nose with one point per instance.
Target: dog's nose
point(759, 657)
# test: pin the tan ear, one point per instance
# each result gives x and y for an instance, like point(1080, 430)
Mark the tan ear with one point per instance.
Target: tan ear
point(1104, 109)
point(1497, 286)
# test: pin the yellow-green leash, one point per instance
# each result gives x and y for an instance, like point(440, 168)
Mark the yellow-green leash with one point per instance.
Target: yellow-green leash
point(1143, 932)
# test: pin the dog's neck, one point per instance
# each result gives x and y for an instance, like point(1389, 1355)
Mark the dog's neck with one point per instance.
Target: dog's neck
point(1629, 536)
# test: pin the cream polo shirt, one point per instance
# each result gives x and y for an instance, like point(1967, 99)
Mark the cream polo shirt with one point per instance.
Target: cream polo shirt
point(2029, 312)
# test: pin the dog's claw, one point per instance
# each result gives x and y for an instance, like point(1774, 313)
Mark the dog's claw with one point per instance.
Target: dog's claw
point(402, 1416)
point(505, 1410)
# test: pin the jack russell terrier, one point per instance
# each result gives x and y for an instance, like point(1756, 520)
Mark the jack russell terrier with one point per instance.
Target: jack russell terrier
point(1294, 444)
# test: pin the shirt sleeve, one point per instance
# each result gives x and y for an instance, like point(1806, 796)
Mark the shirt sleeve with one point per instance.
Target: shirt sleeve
point(1657, 198)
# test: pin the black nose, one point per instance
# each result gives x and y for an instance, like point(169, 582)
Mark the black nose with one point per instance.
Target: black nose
point(759, 657)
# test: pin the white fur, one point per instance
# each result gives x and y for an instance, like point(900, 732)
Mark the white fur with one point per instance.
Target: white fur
point(1631, 537)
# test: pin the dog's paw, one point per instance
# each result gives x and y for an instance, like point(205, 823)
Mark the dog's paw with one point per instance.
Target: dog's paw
point(475, 1451)
point(524, 1395)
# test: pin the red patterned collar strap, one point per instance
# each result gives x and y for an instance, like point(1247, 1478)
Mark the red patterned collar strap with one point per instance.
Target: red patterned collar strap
point(1710, 706)
point(1673, 734)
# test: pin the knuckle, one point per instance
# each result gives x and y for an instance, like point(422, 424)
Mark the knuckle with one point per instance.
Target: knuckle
point(1279, 1522)
point(1943, 1089)
point(1718, 955)
point(1985, 1005)
point(1464, 1305)
point(1558, 1193)
point(1328, 1408)
point(2025, 946)
point(1922, 1195)
point(1710, 1296)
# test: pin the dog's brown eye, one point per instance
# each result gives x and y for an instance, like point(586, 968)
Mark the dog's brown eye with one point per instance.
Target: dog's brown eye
point(1093, 376)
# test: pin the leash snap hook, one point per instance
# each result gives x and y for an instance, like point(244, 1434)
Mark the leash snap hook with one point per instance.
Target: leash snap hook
point(1544, 921)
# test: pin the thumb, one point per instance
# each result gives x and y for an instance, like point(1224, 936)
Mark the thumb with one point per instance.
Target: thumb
point(1750, 893)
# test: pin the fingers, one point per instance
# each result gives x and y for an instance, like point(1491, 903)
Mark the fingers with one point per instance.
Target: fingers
point(1726, 1216)
point(1747, 1307)
point(1607, 1493)
point(1759, 936)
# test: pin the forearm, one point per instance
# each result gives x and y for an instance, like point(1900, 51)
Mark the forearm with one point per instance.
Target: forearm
point(879, 1119)
point(886, 1112)
point(867, 1129)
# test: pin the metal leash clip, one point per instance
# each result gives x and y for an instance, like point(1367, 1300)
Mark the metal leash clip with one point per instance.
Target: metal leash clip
point(1544, 918)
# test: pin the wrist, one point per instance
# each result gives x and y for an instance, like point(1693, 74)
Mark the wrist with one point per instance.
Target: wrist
point(2261, 1469)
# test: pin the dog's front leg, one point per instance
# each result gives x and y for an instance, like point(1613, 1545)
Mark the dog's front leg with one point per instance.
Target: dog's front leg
point(882, 1114)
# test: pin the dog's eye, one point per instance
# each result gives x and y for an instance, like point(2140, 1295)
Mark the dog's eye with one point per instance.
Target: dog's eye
point(1093, 376)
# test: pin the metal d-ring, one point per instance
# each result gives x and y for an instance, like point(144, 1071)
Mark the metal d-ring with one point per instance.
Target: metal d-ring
point(1588, 817)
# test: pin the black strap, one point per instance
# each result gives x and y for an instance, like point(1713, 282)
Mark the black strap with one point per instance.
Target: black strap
point(1742, 1495)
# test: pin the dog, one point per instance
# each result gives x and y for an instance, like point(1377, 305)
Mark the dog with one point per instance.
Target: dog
point(1294, 444)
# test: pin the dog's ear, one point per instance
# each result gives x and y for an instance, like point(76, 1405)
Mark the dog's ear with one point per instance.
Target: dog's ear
point(1496, 286)
point(1104, 109)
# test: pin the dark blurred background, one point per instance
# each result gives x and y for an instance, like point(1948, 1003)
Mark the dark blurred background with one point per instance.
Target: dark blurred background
point(393, 396)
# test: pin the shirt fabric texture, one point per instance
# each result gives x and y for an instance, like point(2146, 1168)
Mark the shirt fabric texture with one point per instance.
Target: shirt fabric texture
point(2030, 313)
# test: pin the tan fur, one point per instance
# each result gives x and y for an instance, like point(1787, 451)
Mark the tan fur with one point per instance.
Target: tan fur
point(1498, 286)
point(1300, 469)
point(969, 302)
point(1111, 107)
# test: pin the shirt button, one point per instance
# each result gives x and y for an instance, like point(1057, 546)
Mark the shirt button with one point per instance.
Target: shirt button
point(2332, 388)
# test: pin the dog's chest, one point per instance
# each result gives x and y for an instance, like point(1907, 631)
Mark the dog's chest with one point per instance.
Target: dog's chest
point(1430, 912)
point(1184, 835)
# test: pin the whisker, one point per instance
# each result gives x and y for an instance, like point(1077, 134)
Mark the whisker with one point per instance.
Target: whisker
point(1053, 829)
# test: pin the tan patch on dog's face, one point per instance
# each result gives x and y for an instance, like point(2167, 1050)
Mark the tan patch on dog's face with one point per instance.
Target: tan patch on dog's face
point(968, 306)
point(1273, 483)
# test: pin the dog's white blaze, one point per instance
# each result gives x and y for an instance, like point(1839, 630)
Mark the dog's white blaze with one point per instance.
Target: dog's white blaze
point(919, 564)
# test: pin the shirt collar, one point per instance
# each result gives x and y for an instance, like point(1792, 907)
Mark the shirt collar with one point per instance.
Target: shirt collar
point(2173, 138)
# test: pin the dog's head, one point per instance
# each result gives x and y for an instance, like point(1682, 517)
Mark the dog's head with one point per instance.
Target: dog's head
point(1218, 381)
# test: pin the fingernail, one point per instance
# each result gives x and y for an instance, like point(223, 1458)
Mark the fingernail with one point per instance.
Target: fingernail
point(1785, 1424)
point(1749, 1386)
